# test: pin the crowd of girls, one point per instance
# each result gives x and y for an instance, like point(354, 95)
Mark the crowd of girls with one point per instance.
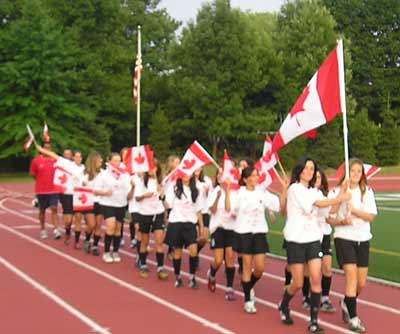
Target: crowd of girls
point(194, 209)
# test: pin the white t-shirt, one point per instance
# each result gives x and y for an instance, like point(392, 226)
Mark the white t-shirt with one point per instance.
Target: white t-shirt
point(76, 173)
point(221, 218)
point(204, 188)
point(149, 206)
point(302, 224)
point(120, 187)
point(249, 208)
point(323, 214)
point(359, 230)
point(92, 184)
point(182, 210)
point(134, 205)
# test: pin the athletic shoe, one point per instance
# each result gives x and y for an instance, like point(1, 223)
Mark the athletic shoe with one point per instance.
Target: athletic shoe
point(67, 239)
point(345, 312)
point(306, 304)
point(355, 325)
point(122, 243)
point(95, 251)
point(230, 295)
point(253, 296)
point(35, 203)
point(327, 307)
point(249, 307)
point(285, 315)
point(315, 329)
point(144, 272)
point(212, 282)
point(133, 243)
point(162, 274)
point(178, 283)
point(86, 246)
point(43, 234)
point(107, 258)
point(116, 257)
point(56, 234)
point(193, 283)
point(77, 245)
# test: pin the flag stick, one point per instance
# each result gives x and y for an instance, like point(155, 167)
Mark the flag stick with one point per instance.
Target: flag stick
point(343, 106)
point(31, 133)
point(281, 168)
point(139, 56)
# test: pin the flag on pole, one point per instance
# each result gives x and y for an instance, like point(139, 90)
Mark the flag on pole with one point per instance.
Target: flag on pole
point(139, 159)
point(195, 157)
point(83, 199)
point(62, 179)
point(269, 158)
point(229, 172)
point(137, 73)
point(30, 140)
point(318, 104)
point(46, 136)
point(369, 170)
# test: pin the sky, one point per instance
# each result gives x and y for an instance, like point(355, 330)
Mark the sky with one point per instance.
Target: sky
point(184, 10)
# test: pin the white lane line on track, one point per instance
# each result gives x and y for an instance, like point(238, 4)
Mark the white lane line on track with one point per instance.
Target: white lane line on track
point(120, 282)
point(265, 274)
point(95, 327)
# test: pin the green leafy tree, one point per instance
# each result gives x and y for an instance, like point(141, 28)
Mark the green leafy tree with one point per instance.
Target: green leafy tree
point(160, 134)
point(388, 151)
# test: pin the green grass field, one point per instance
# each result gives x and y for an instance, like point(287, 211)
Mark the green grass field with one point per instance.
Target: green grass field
point(385, 245)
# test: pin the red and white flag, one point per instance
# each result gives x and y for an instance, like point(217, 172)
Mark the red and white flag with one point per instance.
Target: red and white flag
point(116, 171)
point(318, 104)
point(369, 171)
point(61, 180)
point(229, 172)
point(266, 176)
point(139, 159)
point(30, 140)
point(138, 71)
point(269, 158)
point(46, 136)
point(195, 157)
point(83, 199)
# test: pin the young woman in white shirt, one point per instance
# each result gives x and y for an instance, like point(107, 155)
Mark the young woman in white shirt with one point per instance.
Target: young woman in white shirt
point(149, 194)
point(77, 159)
point(184, 202)
point(352, 223)
point(302, 233)
point(248, 205)
point(113, 206)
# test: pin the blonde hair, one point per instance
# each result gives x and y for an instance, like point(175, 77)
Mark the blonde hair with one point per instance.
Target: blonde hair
point(363, 181)
point(170, 160)
point(91, 168)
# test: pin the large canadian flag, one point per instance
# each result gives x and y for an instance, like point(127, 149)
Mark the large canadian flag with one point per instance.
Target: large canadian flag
point(369, 170)
point(195, 157)
point(229, 172)
point(83, 199)
point(139, 159)
point(318, 104)
point(61, 180)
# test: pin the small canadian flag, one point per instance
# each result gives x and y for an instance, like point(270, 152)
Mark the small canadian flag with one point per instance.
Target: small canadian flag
point(30, 140)
point(46, 136)
point(195, 157)
point(266, 177)
point(61, 179)
point(83, 199)
point(229, 172)
point(139, 159)
point(269, 158)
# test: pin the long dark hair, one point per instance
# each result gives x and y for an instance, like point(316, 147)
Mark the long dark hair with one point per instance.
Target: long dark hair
point(158, 174)
point(324, 182)
point(245, 174)
point(298, 168)
point(192, 185)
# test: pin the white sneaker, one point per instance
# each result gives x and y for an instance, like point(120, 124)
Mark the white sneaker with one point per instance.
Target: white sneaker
point(133, 243)
point(56, 234)
point(122, 243)
point(355, 325)
point(249, 307)
point(43, 234)
point(108, 258)
point(116, 257)
point(253, 296)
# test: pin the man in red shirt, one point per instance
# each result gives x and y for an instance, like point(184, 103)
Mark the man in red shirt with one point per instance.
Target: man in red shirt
point(42, 169)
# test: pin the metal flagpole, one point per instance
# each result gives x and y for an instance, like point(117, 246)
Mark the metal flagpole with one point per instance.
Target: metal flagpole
point(139, 65)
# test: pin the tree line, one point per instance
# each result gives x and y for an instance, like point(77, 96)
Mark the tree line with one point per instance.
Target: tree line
point(227, 79)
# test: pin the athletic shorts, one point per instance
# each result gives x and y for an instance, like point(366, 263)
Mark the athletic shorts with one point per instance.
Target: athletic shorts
point(136, 217)
point(222, 238)
point(151, 223)
point(117, 212)
point(206, 220)
point(303, 252)
point(47, 200)
point(249, 243)
point(326, 245)
point(180, 235)
point(66, 201)
point(352, 252)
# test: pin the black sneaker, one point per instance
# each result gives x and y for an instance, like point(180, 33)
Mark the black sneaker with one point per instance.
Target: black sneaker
point(315, 329)
point(193, 284)
point(285, 315)
point(178, 283)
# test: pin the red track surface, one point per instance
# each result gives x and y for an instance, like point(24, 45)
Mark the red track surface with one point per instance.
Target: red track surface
point(117, 299)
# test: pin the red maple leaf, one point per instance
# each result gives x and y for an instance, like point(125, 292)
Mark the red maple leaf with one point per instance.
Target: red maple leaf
point(298, 107)
point(63, 178)
point(262, 178)
point(140, 159)
point(83, 198)
point(188, 164)
point(235, 173)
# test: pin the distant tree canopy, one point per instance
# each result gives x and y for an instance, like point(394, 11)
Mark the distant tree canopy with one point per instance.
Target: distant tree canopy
point(229, 78)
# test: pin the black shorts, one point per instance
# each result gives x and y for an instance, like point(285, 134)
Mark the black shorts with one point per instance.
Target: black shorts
point(249, 243)
point(284, 244)
point(151, 223)
point(302, 253)
point(97, 209)
point(348, 251)
point(136, 217)
point(206, 220)
point(47, 200)
point(66, 201)
point(222, 238)
point(326, 245)
point(180, 235)
point(111, 211)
